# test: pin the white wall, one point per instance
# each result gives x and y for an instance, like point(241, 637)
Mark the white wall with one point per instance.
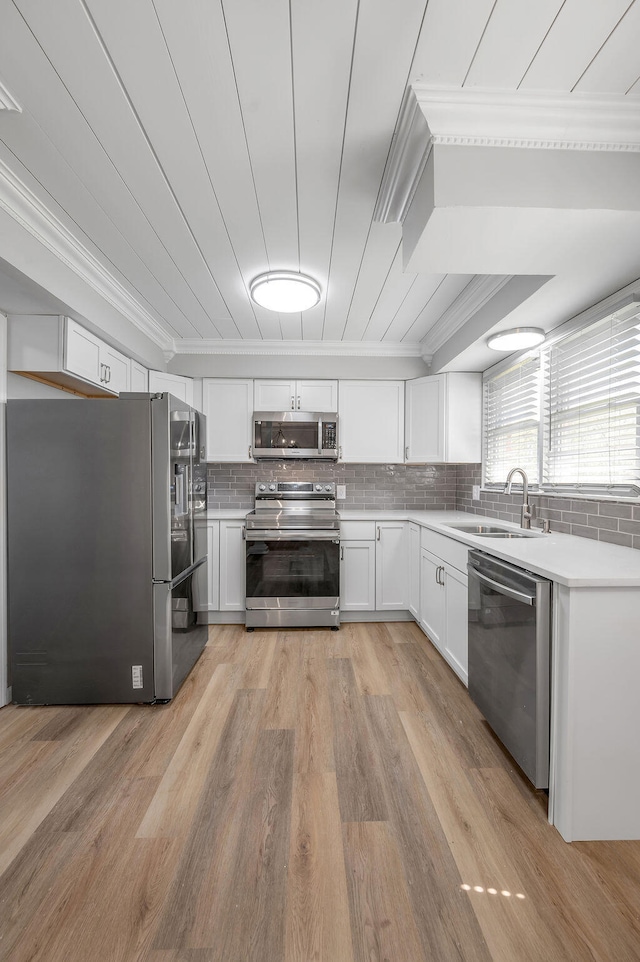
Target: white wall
point(3, 513)
point(297, 366)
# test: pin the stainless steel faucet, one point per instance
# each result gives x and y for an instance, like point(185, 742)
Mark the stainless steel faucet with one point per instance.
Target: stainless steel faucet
point(525, 512)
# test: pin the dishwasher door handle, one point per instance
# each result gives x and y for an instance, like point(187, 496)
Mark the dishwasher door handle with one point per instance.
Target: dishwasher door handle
point(503, 589)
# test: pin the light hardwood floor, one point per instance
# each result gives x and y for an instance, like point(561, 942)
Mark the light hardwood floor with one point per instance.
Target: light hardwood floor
point(309, 796)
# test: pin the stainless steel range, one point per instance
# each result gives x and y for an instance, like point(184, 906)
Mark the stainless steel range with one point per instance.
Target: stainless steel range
point(293, 556)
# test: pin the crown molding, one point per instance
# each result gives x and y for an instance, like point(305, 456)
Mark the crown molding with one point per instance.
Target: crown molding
point(409, 153)
point(299, 348)
point(25, 208)
point(476, 294)
point(8, 101)
point(473, 117)
point(545, 120)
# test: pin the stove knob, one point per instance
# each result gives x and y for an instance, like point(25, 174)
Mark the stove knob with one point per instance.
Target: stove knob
point(318, 487)
point(327, 487)
point(272, 487)
point(262, 487)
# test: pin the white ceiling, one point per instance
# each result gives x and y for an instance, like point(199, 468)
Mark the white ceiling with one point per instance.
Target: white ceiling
point(191, 146)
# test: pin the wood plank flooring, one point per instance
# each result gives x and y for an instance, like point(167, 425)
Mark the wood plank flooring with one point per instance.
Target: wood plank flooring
point(309, 796)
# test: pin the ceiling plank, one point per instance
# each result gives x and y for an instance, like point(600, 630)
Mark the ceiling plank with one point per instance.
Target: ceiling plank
point(577, 34)
point(616, 66)
point(260, 41)
point(385, 41)
point(514, 32)
point(45, 98)
point(396, 288)
point(127, 27)
point(323, 38)
point(69, 40)
point(445, 294)
point(413, 305)
point(379, 255)
point(448, 40)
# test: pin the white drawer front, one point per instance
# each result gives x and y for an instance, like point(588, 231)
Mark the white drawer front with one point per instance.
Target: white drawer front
point(357, 531)
point(453, 552)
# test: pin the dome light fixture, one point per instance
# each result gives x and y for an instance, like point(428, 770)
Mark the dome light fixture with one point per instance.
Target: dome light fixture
point(285, 291)
point(516, 339)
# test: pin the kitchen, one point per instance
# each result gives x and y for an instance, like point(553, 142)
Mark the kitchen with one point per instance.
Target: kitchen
point(413, 182)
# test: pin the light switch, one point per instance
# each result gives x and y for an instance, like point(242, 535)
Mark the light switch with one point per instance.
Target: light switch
point(341, 492)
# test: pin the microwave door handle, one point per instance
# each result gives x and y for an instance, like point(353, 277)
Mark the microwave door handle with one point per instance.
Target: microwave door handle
point(503, 589)
point(319, 435)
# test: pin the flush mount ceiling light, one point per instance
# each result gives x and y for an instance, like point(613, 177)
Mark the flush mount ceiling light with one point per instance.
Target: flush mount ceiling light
point(516, 339)
point(285, 291)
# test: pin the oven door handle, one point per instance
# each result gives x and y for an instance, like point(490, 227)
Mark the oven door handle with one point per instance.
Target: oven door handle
point(299, 535)
point(503, 589)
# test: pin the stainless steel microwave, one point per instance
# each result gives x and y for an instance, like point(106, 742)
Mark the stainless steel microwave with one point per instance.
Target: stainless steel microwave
point(295, 434)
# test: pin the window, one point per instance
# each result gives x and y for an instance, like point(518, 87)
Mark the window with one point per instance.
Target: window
point(570, 414)
point(512, 421)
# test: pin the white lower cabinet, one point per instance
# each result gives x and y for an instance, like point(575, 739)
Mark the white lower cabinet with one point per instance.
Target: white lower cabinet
point(232, 566)
point(206, 583)
point(374, 566)
point(444, 598)
point(358, 576)
point(392, 566)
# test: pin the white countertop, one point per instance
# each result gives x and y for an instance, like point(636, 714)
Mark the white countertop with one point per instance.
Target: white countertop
point(567, 559)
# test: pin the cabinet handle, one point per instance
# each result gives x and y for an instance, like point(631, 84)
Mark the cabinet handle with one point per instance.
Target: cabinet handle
point(406, 453)
point(441, 568)
point(292, 402)
point(102, 374)
point(340, 453)
point(341, 552)
point(249, 450)
point(298, 403)
point(108, 373)
point(244, 532)
point(378, 536)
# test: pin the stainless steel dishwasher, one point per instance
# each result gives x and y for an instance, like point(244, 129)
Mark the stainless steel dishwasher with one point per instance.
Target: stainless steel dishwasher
point(509, 658)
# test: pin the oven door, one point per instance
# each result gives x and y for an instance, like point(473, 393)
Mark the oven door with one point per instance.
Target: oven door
point(293, 569)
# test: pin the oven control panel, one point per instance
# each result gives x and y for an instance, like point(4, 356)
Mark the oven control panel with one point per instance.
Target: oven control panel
point(295, 489)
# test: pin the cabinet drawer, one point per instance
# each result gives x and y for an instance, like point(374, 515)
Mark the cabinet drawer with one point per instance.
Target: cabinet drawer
point(357, 530)
point(447, 549)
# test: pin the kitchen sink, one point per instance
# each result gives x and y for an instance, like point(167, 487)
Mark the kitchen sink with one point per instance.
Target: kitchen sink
point(491, 531)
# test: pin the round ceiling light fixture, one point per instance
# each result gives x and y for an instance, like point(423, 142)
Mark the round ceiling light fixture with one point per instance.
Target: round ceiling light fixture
point(516, 339)
point(285, 291)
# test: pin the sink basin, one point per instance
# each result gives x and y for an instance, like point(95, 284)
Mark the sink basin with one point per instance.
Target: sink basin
point(491, 531)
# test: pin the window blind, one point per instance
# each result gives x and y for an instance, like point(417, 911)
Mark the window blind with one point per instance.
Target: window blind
point(512, 421)
point(591, 406)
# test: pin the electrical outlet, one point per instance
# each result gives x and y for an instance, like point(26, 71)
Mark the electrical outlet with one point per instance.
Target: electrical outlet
point(341, 492)
point(475, 493)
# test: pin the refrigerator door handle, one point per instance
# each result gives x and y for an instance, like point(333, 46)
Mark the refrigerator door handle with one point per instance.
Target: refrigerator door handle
point(181, 577)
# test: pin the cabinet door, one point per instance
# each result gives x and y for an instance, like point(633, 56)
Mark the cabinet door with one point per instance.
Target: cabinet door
point(82, 352)
point(180, 387)
point(275, 395)
point(371, 425)
point(117, 369)
point(228, 407)
point(138, 378)
point(317, 396)
point(425, 419)
point(456, 632)
point(207, 582)
point(357, 576)
point(414, 570)
point(232, 566)
point(392, 566)
point(432, 598)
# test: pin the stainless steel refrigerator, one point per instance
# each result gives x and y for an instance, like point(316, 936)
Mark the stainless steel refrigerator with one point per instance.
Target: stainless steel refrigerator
point(101, 497)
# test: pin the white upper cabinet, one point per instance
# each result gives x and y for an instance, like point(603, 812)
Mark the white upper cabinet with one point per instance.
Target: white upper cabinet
point(139, 378)
point(444, 418)
point(293, 395)
point(181, 387)
point(371, 421)
point(228, 406)
point(60, 351)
